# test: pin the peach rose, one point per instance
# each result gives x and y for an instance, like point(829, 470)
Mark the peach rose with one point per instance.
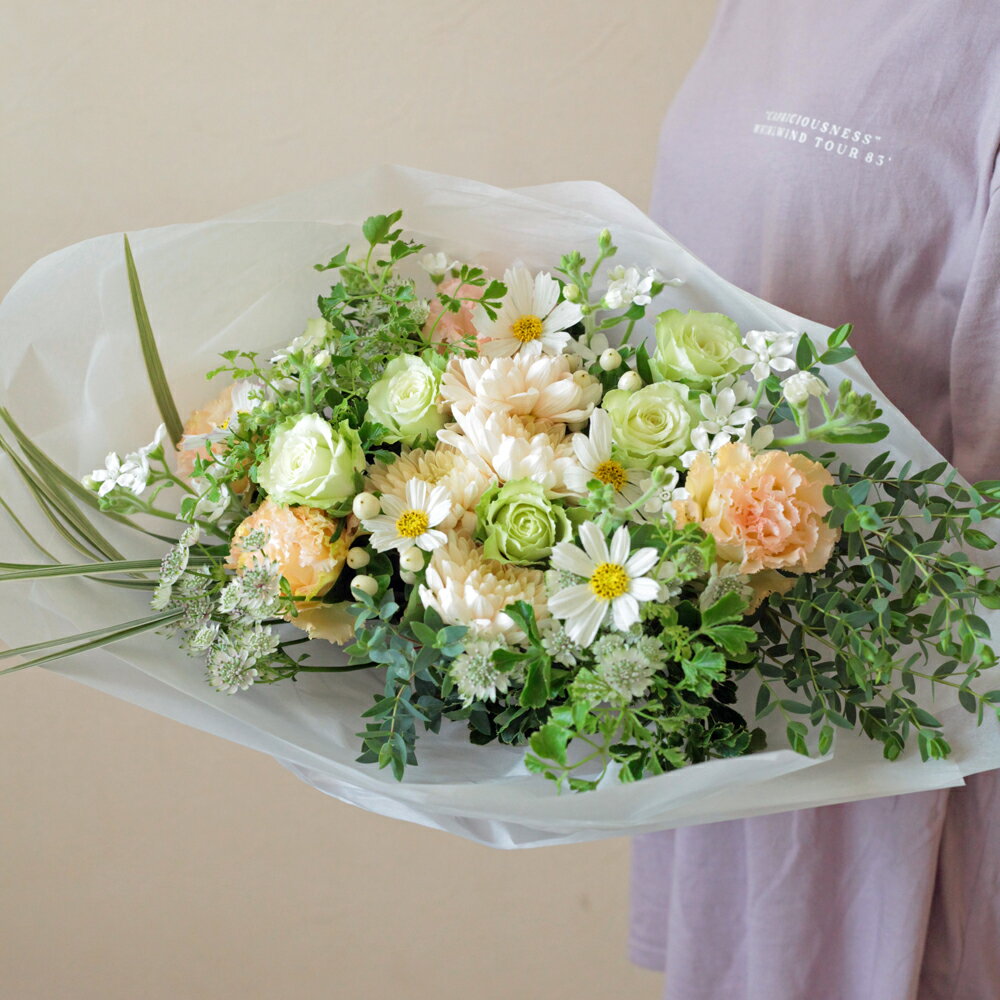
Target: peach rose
point(765, 512)
point(452, 327)
point(301, 540)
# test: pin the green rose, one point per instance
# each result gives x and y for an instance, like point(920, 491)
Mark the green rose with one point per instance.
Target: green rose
point(311, 463)
point(517, 523)
point(695, 347)
point(404, 400)
point(652, 426)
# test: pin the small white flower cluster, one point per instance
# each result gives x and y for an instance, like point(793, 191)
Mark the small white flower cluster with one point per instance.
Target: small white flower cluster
point(130, 473)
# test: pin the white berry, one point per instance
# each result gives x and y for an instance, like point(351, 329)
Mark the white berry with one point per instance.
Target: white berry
point(358, 558)
point(407, 577)
point(630, 382)
point(412, 560)
point(610, 359)
point(365, 584)
point(366, 505)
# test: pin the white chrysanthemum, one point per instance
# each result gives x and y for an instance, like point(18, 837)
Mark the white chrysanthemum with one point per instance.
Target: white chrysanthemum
point(466, 588)
point(527, 385)
point(507, 447)
point(531, 318)
point(475, 675)
point(593, 453)
point(615, 582)
point(410, 520)
point(464, 480)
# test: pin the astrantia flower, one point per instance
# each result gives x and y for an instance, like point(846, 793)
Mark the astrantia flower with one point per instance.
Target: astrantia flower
point(559, 645)
point(464, 481)
point(507, 447)
point(594, 455)
point(616, 582)
point(628, 667)
point(475, 675)
point(410, 520)
point(531, 318)
point(466, 588)
point(527, 385)
point(765, 351)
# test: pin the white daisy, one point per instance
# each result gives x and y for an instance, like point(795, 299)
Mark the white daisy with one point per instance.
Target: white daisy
point(531, 319)
point(615, 581)
point(593, 452)
point(765, 351)
point(409, 522)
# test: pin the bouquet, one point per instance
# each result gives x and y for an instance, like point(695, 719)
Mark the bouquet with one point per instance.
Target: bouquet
point(543, 506)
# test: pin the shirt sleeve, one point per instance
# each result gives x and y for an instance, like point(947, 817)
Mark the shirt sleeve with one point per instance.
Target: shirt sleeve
point(975, 359)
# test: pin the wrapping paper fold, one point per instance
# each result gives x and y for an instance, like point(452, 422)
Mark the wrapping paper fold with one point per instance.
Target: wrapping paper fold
point(72, 373)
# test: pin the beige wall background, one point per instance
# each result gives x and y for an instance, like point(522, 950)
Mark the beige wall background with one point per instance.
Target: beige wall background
point(142, 859)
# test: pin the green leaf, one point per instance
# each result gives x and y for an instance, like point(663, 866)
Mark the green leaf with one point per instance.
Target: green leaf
point(839, 336)
point(550, 742)
point(796, 735)
point(978, 539)
point(338, 260)
point(805, 353)
point(537, 682)
point(150, 353)
point(728, 608)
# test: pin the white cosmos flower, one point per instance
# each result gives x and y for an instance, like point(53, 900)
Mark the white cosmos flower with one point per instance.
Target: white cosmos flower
point(410, 521)
point(765, 351)
point(531, 318)
point(616, 582)
point(593, 452)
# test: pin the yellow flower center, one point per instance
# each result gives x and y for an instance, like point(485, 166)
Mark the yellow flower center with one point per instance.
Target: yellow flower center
point(609, 581)
point(527, 328)
point(412, 524)
point(611, 472)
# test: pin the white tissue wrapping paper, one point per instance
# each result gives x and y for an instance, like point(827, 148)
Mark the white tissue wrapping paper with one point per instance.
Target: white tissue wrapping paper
point(72, 373)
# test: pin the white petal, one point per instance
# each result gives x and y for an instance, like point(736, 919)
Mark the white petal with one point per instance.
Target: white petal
point(431, 540)
point(583, 627)
point(568, 557)
point(600, 433)
point(644, 589)
point(625, 612)
point(565, 315)
point(545, 295)
point(568, 602)
point(641, 562)
point(593, 542)
point(520, 291)
point(620, 545)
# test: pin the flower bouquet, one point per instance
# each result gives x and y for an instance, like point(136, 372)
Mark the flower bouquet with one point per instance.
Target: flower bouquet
point(572, 500)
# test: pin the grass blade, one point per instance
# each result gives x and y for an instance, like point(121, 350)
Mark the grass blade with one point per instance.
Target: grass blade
point(150, 354)
point(95, 639)
point(32, 571)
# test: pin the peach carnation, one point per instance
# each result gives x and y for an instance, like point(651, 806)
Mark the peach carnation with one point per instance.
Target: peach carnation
point(302, 541)
point(525, 385)
point(765, 511)
point(466, 588)
point(204, 426)
point(444, 466)
point(452, 327)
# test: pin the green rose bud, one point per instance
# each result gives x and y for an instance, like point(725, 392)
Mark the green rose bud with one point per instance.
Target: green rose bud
point(695, 347)
point(404, 400)
point(652, 426)
point(311, 463)
point(517, 523)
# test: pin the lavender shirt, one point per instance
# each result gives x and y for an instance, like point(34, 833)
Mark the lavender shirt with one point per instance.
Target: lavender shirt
point(839, 159)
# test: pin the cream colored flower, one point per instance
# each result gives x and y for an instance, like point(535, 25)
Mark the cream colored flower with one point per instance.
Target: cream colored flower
point(526, 385)
point(464, 481)
point(466, 588)
point(506, 447)
point(531, 319)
